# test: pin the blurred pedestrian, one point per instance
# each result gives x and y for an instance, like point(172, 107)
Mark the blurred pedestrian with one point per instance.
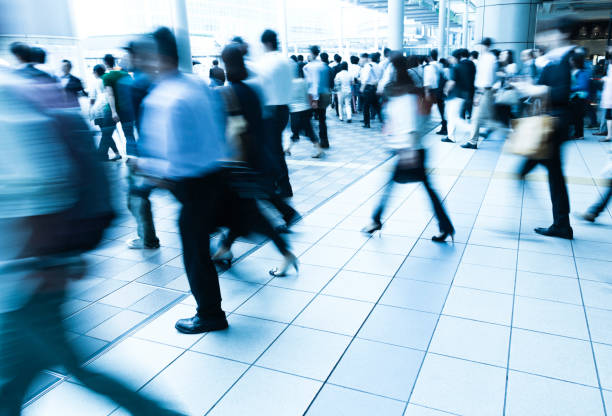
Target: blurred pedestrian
point(301, 113)
point(216, 74)
point(318, 76)
point(73, 87)
point(100, 114)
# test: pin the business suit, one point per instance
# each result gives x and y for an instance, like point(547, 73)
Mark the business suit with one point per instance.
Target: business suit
point(217, 75)
point(462, 75)
point(73, 86)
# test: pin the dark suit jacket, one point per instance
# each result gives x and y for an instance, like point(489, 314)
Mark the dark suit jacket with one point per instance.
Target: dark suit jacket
point(72, 89)
point(463, 74)
point(217, 74)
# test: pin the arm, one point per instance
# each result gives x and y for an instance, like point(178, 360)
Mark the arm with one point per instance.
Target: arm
point(110, 95)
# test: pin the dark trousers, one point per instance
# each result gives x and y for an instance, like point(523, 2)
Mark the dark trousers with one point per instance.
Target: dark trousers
point(321, 114)
point(577, 109)
point(130, 141)
point(107, 141)
point(598, 208)
point(275, 124)
point(370, 102)
point(468, 105)
point(139, 205)
point(440, 104)
point(556, 184)
point(300, 123)
point(201, 199)
point(444, 222)
point(34, 339)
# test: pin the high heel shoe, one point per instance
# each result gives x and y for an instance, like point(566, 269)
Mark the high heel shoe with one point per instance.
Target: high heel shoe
point(223, 255)
point(372, 228)
point(442, 237)
point(290, 261)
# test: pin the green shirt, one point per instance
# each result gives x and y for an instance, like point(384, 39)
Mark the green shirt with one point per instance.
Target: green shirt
point(111, 79)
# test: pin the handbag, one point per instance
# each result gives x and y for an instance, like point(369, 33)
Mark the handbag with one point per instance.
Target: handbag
point(410, 167)
point(532, 136)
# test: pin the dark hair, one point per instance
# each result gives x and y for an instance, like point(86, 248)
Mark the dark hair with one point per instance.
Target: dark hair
point(215, 62)
point(386, 52)
point(238, 40)
point(456, 54)
point(578, 59)
point(565, 24)
point(337, 58)
point(487, 42)
point(315, 50)
point(496, 52)
point(444, 62)
point(365, 55)
point(375, 57)
point(324, 57)
point(293, 58)
point(109, 60)
point(234, 63)
point(434, 54)
point(343, 66)
point(474, 54)
point(412, 61)
point(99, 69)
point(510, 54)
point(268, 37)
point(38, 55)
point(68, 63)
point(166, 44)
point(354, 60)
point(21, 51)
point(403, 83)
point(300, 58)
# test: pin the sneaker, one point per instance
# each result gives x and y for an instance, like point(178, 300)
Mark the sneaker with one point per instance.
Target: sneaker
point(446, 140)
point(468, 145)
point(139, 244)
point(349, 121)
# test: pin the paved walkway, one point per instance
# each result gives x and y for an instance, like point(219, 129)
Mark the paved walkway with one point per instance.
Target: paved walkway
point(500, 322)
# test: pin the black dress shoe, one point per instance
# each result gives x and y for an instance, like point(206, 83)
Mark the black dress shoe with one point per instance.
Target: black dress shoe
point(469, 145)
point(446, 140)
point(553, 231)
point(197, 324)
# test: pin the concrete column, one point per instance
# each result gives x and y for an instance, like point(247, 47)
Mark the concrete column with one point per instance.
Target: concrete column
point(510, 25)
point(465, 23)
point(442, 28)
point(181, 31)
point(395, 13)
point(284, 31)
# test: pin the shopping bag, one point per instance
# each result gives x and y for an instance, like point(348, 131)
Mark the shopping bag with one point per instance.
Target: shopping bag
point(410, 167)
point(531, 137)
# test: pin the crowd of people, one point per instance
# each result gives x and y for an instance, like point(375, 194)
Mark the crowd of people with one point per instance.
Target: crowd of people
point(219, 150)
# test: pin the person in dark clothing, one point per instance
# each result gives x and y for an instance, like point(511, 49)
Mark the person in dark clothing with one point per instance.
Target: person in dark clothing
point(73, 87)
point(458, 89)
point(216, 75)
point(28, 57)
point(438, 91)
point(556, 78)
point(242, 213)
point(581, 77)
point(335, 70)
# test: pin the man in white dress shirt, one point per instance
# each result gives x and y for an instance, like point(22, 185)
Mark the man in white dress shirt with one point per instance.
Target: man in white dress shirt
point(485, 78)
point(369, 83)
point(275, 73)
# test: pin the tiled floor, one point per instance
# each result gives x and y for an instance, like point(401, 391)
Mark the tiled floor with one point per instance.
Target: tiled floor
point(502, 321)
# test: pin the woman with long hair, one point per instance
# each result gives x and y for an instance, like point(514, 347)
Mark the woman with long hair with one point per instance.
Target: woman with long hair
point(404, 113)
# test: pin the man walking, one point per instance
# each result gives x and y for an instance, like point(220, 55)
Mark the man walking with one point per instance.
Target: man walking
point(318, 76)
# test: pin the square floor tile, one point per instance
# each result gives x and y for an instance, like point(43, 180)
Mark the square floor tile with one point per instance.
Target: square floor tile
point(328, 313)
point(269, 250)
point(90, 317)
point(266, 392)
point(156, 300)
point(460, 386)
point(531, 261)
point(597, 295)
point(552, 356)
point(485, 278)
point(309, 278)
point(480, 305)
point(428, 270)
point(592, 249)
point(550, 317)
point(603, 357)
point(377, 368)
point(589, 269)
point(276, 304)
point(375, 262)
point(161, 276)
point(427, 248)
point(412, 294)
point(305, 352)
point(194, 382)
point(252, 270)
point(599, 325)
point(418, 410)
point(358, 286)
point(327, 256)
point(344, 238)
point(235, 292)
point(135, 361)
point(492, 238)
point(531, 395)
point(404, 327)
point(472, 340)
point(391, 244)
point(542, 244)
point(69, 399)
point(548, 287)
point(116, 326)
point(245, 339)
point(127, 295)
point(162, 328)
point(339, 401)
point(490, 256)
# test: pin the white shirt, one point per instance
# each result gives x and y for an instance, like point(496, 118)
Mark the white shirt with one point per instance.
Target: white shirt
point(314, 71)
point(344, 81)
point(485, 70)
point(367, 75)
point(354, 70)
point(402, 122)
point(386, 78)
point(430, 75)
point(299, 96)
point(275, 73)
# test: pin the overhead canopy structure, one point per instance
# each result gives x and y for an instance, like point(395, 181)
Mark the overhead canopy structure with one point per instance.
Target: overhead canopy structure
point(422, 11)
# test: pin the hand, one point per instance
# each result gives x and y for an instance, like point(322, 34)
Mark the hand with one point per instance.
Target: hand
point(115, 117)
point(314, 104)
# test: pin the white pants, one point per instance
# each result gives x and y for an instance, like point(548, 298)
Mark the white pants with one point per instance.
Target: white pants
point(344, 101)
point(457, 127)
point(484, 114)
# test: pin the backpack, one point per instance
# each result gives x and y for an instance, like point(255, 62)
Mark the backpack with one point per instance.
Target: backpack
point(79, 228)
